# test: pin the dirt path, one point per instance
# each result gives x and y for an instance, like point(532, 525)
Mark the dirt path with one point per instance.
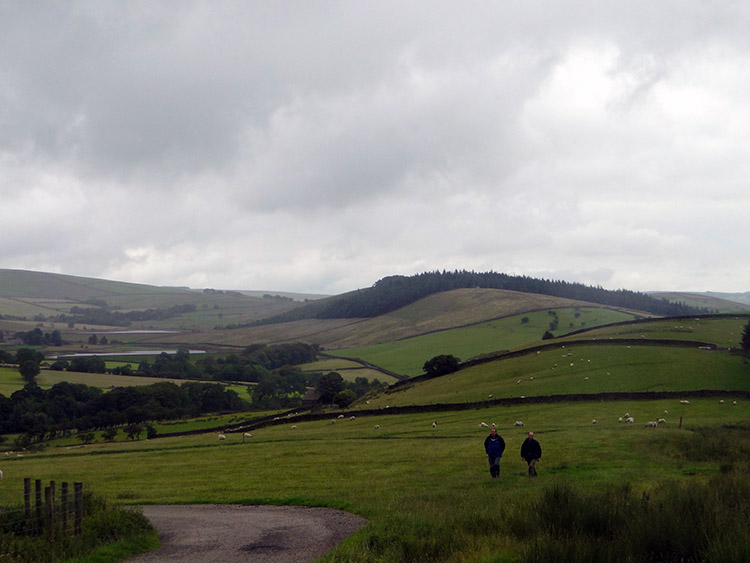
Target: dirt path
point(230, 533)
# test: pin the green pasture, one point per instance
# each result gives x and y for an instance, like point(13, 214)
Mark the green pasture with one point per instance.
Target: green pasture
point(581, 369)
point(426, 490)
point(409, 355)
point(11, 381)
point(348, 370)
point(724, 331)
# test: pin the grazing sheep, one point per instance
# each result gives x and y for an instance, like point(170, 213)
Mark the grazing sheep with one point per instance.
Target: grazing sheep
point(434, 424)
point(620, 419)
point(333, 421)
point(721, 402)
point(377, 427)
point(518, 423)
point(651, 424)
point(666, 412)
point(1, 474)
point(294, 427)
point(247, 435)
point(352, 417)
point(531, 378)
point(489, 396)
point(340, 416)
point(482, 425)
point(222, 437)
point(684, 402)
point(519, 381)
point(734, 403)
point(661, 421)
point(630, 420)
point(586, 378)
point(493, 425)
point(594, 421)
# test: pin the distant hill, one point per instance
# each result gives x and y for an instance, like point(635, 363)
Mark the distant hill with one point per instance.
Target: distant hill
point(715, 302)
point(394, 292)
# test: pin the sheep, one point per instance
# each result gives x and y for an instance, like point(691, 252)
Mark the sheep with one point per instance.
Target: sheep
point(594, 421)
point(434, 424)
point(377, 427)
point(340, 416)
point(630, 420)
point(651, 424)
point(519, 381)
point(586, 378)
point(352, 417)
point(1, 474)
point(666, 412)
point(620, 419)
point(482, 425)
point(734, 403)
point(247, 435)
point(333, 421)
point(661, 421)
point(489, 396)
point(721, 402)
point(294, 427)
point(684, 402)
point(531, 378)
point(493, 425)
point(518, 423)
point(222, 437)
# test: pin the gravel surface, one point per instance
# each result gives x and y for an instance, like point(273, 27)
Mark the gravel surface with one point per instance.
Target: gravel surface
point(223, 533)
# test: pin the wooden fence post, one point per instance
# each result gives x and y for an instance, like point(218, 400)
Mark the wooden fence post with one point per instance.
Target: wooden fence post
point(48, 519)
point(38, 495)
point(78, 517)
point(64, 506)
point(27, 501)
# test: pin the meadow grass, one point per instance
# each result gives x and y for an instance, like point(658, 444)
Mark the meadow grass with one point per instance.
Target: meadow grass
point(724, 331)
point(580, 369)
point(426, 490)
point(407, 356)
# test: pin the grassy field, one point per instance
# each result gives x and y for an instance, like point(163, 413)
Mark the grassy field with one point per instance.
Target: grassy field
point(10, 380)
point(594, 369)
point(407, 356)
point(724, 331)
point(425, 490)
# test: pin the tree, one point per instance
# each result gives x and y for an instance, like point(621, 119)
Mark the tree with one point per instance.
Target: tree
point(345, 398)
point(328, 385)
point(441, 365)
point(134, 431)
point(745, 342)
point(109, 434)
point(29, 370)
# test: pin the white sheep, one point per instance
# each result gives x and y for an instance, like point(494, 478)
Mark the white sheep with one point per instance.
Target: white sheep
point(493, 425)
point(734, 403)
point(721, 402)
point(630, 419)
point(482, 425)
point(1, 474)
point(684, 402)
point(377, 427)
point(489, 396)
point(340, 416)
point(352, 417)
point(651, 424)
point(586, 378)
point(661, 421)
point(594, 421)
point(666, 412)
point(222, 437)
point(247, 435)
point(333, 421)
point(620, 419)
point(434, 424)
point(294, 427)
point(518, 423)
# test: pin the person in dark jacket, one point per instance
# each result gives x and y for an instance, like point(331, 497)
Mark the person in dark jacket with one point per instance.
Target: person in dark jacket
point(494, 445)
point(531, 451)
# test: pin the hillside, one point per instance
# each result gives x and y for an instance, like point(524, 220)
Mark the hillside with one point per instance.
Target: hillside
point(394, 292)
point(438, 312)
point(717, 302)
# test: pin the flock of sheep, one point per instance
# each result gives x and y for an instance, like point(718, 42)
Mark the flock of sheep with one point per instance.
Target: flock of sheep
point(626, 418)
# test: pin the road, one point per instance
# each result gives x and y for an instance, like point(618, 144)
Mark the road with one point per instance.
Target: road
point(231, 533)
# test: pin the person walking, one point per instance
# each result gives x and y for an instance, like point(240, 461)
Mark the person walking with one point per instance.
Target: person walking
point(494, 446)
point(531, 452)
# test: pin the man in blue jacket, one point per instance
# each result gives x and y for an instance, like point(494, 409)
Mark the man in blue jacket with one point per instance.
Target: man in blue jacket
point(494, 445)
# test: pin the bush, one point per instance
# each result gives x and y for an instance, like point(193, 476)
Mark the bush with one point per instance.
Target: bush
point(441, 365)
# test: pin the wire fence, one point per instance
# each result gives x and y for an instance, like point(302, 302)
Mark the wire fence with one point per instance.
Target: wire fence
point(46, 510)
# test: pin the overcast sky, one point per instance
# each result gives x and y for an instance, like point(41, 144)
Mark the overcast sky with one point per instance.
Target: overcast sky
point(319, 146)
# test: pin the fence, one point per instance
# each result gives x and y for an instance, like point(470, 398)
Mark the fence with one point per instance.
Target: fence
point(42, 517)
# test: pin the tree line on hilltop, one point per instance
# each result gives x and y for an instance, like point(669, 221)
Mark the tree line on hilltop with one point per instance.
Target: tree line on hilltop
point(394, 292)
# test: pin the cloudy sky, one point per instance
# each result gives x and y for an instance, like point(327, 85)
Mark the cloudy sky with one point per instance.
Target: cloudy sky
point(319, 146)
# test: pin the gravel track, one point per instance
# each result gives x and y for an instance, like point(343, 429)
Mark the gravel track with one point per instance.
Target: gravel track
point(223, 533)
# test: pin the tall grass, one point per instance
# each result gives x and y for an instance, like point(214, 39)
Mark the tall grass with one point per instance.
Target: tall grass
point(103, 527)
